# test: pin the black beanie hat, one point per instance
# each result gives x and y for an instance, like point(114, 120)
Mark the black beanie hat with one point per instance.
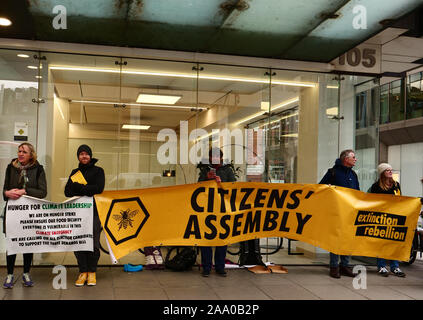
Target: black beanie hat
point(85, 148)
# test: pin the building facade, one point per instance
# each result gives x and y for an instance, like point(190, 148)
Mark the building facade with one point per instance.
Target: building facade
point(277, 120)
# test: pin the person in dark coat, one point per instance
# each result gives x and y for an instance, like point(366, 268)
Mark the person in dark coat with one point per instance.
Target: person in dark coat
point(342, 174)
point(387, 185)
point(221, 173)
point(94, 176)
point(24, 176)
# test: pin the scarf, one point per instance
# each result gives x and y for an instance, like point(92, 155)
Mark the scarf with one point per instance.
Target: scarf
point(23, 177)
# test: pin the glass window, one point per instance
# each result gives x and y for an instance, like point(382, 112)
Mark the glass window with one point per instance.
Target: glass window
point(415, 96)
point(384, 104)
point(360, 110)
point(396, 101)
point(285, 124)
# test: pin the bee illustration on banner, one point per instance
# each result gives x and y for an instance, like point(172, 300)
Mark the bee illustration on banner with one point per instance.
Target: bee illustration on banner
point(125, 218)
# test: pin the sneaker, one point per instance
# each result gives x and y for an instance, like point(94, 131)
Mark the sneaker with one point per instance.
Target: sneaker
point(383, 272)
point(81, 279)
point(91, 279)
point(398, 272)
point(8, 282)
point(222, 273)
point(27, 281)
point(205, 273)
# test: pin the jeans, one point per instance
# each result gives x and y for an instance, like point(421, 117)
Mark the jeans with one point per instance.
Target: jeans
point(219, 258)
point(382, 263)
point(334, 260)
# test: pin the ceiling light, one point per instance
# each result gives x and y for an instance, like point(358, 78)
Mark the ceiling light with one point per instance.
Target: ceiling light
point(4, 22)
point(190, 76)
point(136, 104)
point(135, 127)
point(157, 98)
point(290, 135)
point(265, 105)
point(332, 87)
point(32, 67)
point(21, 55)
point(285, 103)
point(250, 118)
point(279, 119)
point(280, 105)
point(39, 77)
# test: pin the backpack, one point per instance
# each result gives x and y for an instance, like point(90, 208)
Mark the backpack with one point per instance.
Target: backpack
point(183, 260)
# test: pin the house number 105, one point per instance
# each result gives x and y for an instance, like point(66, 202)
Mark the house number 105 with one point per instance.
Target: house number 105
point(356, 56)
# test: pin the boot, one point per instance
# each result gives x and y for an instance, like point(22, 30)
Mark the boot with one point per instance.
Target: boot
point(347, 271)
point(334, 272)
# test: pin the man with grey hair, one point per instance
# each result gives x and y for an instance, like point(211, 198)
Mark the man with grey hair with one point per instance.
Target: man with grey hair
point(342, 174)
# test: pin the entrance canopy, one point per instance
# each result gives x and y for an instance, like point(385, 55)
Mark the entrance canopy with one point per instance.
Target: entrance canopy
point(318, 30)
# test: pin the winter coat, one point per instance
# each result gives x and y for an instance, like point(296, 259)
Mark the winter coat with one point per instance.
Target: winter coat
point(36, 185)
point(225, 173)
point(395, 189)
point(95, 185)
point(93, 175)
point(342, 176)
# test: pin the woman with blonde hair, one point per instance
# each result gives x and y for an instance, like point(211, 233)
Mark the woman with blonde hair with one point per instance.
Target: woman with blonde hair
point(387, 185)
point(24, 176)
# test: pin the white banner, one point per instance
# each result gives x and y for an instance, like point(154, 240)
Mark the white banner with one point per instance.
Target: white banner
point(36, 225)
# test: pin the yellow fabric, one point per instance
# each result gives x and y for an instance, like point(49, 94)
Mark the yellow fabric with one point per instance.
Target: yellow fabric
point(78, 177)
point(336, 219)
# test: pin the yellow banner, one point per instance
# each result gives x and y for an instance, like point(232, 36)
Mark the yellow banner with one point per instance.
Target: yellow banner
point(336, 219)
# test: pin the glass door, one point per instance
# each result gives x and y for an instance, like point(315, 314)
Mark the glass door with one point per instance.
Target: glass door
point(19, 108)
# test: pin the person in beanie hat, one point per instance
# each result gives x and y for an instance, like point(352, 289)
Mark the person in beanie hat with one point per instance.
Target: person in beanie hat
point(84, 148)
point(94, 176)
point(383, 167)
point(387, 185)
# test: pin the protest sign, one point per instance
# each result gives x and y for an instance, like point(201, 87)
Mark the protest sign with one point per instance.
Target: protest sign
point(36, 225)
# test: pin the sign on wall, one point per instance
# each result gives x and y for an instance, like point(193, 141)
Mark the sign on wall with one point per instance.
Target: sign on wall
point(364, 58)
point(21, 131)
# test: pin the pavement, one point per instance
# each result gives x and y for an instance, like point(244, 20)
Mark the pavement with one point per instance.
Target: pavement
point(300, 283)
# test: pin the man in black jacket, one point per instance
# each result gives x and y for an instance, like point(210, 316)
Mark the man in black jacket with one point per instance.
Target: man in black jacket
point(94, 176)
